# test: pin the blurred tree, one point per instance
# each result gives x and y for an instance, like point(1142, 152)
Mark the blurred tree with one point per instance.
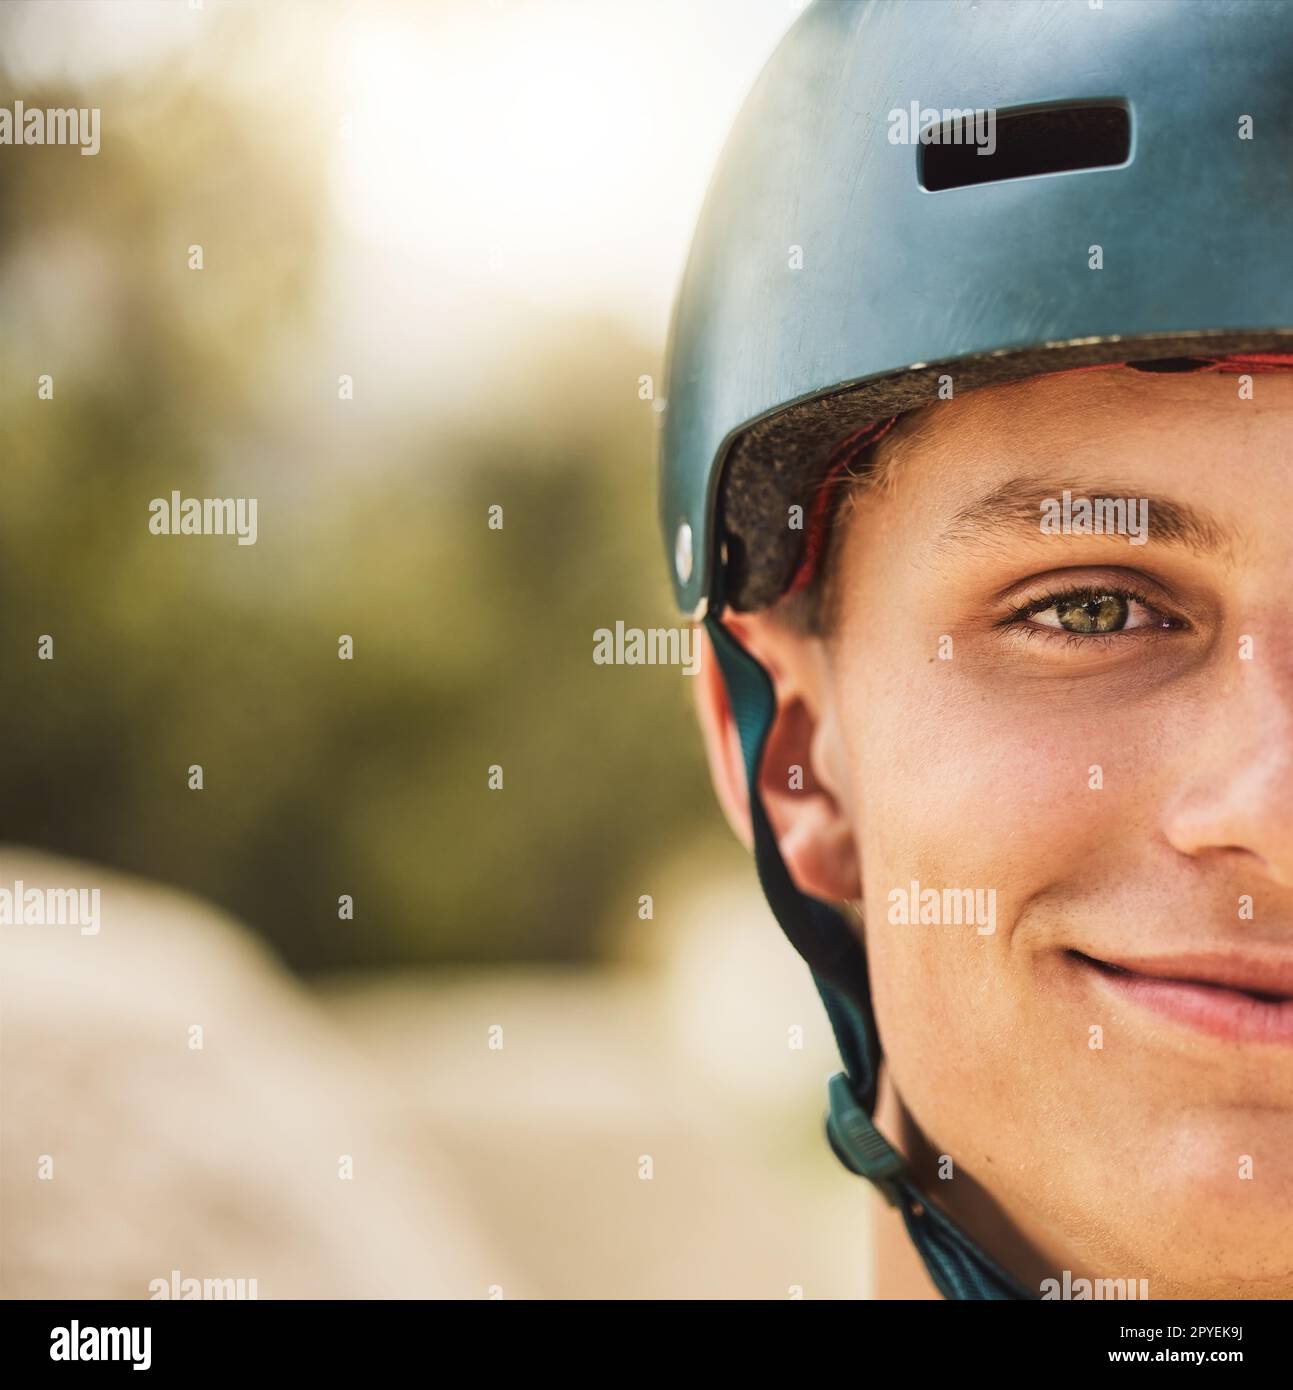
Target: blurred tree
point(473, 646)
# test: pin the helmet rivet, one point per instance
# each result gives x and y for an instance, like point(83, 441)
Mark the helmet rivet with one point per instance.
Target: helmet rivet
point(682, 553)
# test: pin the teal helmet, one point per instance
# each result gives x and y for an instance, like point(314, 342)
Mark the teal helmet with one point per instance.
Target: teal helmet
point(950, 192)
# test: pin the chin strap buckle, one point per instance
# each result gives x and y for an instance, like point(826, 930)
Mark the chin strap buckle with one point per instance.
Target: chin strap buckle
point(860, 1146)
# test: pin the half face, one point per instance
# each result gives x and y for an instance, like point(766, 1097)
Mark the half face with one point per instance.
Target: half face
point(1056, 765)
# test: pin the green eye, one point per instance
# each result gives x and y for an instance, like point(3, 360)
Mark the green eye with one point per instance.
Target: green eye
point(1102, 613)
point(1091, 612)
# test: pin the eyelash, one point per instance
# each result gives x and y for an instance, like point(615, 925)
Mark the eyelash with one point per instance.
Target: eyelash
point(1018, 617)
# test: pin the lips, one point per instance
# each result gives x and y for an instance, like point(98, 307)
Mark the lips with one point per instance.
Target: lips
point(1238, 998)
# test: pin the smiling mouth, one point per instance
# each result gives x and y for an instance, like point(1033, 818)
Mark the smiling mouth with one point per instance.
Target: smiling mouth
point(1226, 996)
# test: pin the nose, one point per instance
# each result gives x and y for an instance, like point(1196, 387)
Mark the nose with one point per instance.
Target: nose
point(1238, 798)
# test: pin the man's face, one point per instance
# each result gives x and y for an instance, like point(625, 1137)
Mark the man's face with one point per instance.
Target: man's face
point(1098, 733)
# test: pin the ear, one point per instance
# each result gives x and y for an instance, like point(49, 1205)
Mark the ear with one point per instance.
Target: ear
point(803, 760)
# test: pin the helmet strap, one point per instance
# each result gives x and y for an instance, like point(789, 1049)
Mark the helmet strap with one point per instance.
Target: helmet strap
point(837, 960)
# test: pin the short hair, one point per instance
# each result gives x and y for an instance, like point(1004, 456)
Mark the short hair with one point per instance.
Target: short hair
point(811, 609)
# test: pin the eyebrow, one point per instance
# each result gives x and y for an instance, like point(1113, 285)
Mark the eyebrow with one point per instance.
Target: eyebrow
point(1017, 505)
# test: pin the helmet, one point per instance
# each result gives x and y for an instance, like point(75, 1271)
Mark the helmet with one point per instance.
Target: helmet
point(964, 193)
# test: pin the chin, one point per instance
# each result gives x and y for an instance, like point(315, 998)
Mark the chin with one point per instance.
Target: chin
point(1189, 1222)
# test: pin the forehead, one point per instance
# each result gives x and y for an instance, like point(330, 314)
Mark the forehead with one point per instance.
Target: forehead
point(961, 485)
point(1215, 436)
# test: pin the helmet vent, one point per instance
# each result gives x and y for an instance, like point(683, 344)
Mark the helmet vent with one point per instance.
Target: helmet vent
point(1026, 143)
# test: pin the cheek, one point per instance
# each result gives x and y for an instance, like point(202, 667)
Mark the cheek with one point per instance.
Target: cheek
point(953, 792)
point(1001, 785)
point(952, 787)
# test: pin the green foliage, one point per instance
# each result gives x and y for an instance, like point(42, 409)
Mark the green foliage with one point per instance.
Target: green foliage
point(472, 646)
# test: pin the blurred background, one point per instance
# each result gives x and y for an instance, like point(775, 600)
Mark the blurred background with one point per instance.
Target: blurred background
point(476, 211)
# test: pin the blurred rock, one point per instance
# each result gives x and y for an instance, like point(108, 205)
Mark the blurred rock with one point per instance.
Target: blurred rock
point(221, 1161)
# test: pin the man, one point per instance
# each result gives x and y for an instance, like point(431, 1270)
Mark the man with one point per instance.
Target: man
point(985, 514)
